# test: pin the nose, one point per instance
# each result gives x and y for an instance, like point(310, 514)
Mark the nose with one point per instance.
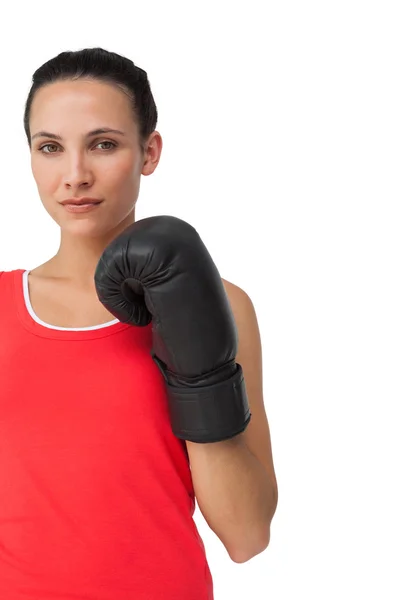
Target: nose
point(78, 173)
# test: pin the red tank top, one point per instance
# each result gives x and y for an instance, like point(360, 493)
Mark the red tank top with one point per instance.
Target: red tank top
point(96, 494)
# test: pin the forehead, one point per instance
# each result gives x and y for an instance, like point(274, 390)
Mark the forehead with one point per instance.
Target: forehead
point(62, 101)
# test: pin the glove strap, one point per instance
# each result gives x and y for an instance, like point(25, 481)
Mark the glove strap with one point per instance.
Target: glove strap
point(210, 413)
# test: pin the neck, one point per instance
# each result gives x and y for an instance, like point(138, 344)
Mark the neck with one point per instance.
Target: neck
point(77, 257)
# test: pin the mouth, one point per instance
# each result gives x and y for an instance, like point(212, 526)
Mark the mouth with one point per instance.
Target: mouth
point(81, 208)
point(80, 202)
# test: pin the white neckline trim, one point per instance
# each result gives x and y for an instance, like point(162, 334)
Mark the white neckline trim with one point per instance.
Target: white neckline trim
point(29, 308)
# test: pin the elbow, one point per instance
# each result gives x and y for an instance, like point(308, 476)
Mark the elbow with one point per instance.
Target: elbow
point(242, 553)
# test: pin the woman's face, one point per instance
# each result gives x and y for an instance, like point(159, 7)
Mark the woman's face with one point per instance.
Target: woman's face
point(68, 161)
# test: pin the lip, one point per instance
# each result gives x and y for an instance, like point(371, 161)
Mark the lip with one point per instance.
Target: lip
point(79, 201)
point(77, 208)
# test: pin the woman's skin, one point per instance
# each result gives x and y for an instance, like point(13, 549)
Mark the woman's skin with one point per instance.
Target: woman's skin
point(107, 166)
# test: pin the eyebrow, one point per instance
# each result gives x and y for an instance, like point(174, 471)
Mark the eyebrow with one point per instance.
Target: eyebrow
point(99, 131)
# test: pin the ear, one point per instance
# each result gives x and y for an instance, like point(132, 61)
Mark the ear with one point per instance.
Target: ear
point(152, 153)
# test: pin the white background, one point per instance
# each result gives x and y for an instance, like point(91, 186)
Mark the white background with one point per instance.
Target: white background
point(280, 123)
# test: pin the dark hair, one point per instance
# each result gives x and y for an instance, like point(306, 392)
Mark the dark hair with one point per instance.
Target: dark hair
point(99, 64)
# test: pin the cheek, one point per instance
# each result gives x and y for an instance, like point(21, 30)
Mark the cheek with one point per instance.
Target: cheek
point(122, 173)
point(45, 178)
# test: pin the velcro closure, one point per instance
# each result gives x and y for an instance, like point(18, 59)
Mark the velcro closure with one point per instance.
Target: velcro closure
point(210, 413)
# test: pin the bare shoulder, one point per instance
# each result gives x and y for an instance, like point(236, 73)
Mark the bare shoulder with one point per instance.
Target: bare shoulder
point(233, 291)
point(229, 286)
point(241, 303)
point(249, 348)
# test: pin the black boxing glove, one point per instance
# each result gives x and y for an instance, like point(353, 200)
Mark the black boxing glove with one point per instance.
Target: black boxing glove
point(158, 270)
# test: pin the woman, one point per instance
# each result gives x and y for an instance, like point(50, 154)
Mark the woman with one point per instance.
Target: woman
point(100, 491)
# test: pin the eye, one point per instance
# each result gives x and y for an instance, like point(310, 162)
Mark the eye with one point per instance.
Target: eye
point(47, 146)
point(106, 142)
